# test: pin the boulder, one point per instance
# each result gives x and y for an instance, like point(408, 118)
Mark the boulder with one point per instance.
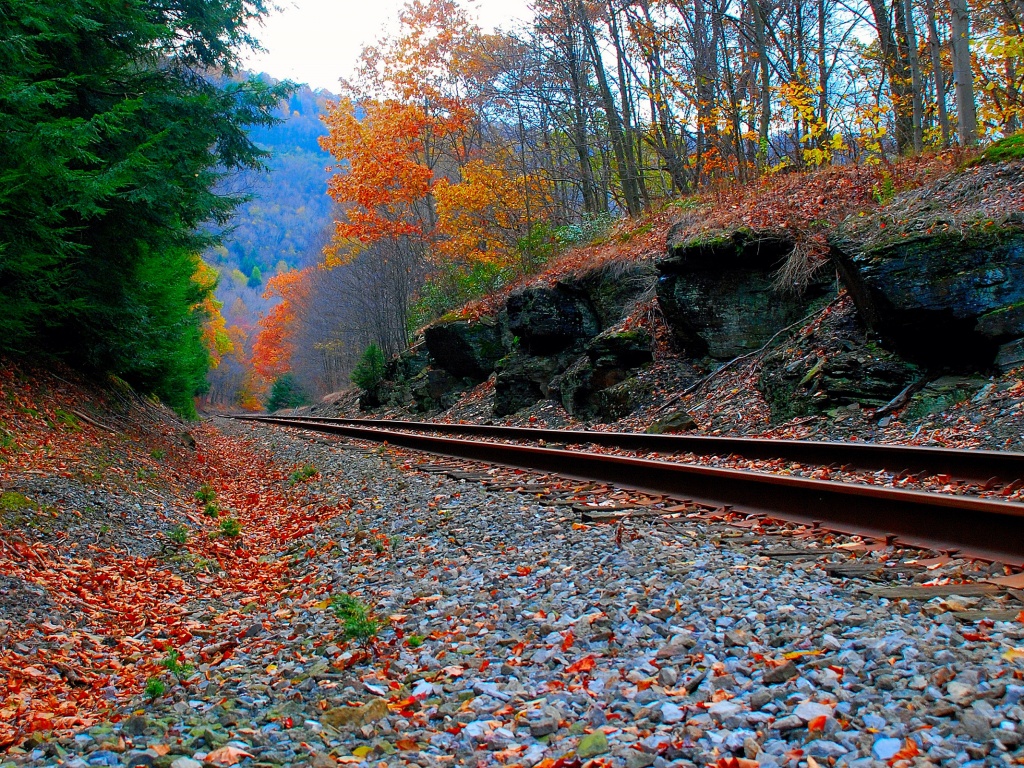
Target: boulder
point(407, 364)
point(595, 386)
point(679, 421)
point(835, 365)
point(814, 384)
point(549, 320)
point(941, 394)
point(718, 295)
point(467, 349)
point(621, 349)
point(523, 380)
point(435, 388)
point(946, 300)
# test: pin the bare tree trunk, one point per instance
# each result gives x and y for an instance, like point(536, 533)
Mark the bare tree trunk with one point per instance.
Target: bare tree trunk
point(939, 77)
point(823, 114)
point(898, 72)
point(963, 74)
point(623, 157)
point(761, 45)
point(916, 86)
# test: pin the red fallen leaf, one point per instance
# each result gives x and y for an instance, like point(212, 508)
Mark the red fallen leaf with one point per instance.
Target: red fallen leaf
point(973, 637)
point(523, 570)
point(568, 639)
point(407, 745)
point(585, 664)
point(518, 648)
point(288, 722)
point(818, 723)
point(735, 762)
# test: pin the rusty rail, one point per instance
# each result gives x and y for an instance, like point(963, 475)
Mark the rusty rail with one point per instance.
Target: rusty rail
point(983, 528)
point(974, 465)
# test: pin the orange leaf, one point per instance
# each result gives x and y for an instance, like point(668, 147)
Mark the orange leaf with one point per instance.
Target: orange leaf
point(585, 664)
point(569, 639)
point(227, 755)
point(818, 723)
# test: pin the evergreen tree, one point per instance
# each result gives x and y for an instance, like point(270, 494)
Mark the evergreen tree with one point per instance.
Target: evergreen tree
point(286, 393)
point(117, 119)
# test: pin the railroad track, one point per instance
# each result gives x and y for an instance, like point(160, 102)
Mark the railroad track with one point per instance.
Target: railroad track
point(975, 527)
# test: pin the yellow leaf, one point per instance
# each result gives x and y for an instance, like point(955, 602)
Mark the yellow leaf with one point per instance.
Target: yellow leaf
point(798, 654)
point(362, 751)
point(1014, 654)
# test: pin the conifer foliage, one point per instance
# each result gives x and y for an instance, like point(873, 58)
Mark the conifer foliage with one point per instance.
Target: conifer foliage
point(116, 122)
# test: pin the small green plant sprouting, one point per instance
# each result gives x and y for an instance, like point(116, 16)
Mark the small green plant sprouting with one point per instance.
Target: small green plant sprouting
point(885, 191)
point(155, 688)
point(211, 509)
point(230, 527)
point(157, 454)
point(379, 546)
point(173, 664)
point(414, 641)
point(357, 624)
point(304, 473)
point(104, 529)
point(178, 534)
point(205, 493)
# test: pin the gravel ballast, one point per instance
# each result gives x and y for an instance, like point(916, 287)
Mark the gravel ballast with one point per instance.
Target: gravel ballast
point(512, 634)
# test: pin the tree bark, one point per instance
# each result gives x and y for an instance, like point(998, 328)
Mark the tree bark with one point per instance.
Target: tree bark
point(916, 86)
point(963, 74)
point(934, 47)
point(898, 71)
point(623, 157)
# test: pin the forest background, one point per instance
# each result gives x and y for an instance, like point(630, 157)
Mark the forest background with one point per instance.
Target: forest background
point(455, 161)
point(465, 160)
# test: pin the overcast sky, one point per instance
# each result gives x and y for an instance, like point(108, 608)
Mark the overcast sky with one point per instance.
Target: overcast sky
point(318, 41)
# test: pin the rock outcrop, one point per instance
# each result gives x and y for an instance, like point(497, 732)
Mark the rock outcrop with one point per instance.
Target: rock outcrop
point(599, 385)
point(718, 295)
point(467, 349)
point(548, 320)
point(834, 366)
point(946, 300)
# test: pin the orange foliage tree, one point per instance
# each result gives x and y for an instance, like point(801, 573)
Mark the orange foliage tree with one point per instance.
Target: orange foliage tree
point(484, 216)
point(404, 125)
point(274, 344)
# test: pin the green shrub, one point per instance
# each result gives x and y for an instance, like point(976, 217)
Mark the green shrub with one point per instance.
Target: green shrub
point(173, 664)
point(452, 286)
point(369, 372)
point(286, 393)
point(357, 624)
point(211, 509)
point(178, 534)
point(155, 688)
point(230, 527)
point(205, 493)
point(304, 473)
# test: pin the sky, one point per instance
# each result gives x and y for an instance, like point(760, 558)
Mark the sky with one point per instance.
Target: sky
point(318, 41)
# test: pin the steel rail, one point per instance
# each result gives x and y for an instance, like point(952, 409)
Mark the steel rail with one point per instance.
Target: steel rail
point(983, 528)
point(960, 464)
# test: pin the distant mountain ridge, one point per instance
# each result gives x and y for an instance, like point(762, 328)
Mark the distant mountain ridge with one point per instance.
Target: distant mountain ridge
point(285, 224)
